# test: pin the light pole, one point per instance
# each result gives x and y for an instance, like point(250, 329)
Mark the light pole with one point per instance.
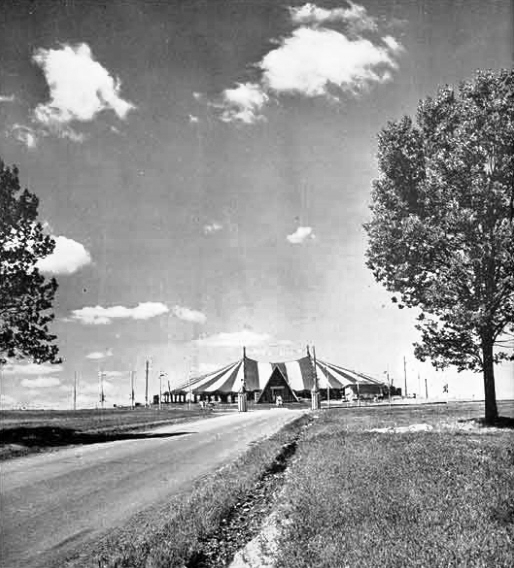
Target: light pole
point(161, 374)
point(386, 373)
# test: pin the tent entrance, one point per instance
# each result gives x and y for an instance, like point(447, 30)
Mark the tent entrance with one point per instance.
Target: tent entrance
point(277, 391)
point(277, 385)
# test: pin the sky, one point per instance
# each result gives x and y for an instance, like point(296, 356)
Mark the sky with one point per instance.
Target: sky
point(205, 168)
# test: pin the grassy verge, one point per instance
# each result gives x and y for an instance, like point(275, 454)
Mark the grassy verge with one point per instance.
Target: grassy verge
point(175, 535)
point(361, 498)
point(23, 432)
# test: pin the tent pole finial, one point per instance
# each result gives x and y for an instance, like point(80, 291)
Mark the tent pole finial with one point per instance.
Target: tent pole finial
point(308, 352)
point(244, 352)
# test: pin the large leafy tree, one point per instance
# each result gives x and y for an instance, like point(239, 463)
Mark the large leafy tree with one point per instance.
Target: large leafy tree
point(26, 296)
point(441, 232)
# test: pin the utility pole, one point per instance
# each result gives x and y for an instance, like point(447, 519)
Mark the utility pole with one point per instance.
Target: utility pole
point(146, 382)
point(426, 388)
point(75, 391)
point(160, 389)
point(132, 401)
point(102, 394)
point(405, 375)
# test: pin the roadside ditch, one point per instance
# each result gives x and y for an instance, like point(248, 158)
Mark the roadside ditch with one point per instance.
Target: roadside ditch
point(245, 520)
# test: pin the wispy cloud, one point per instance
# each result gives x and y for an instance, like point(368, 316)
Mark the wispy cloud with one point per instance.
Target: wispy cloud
point(30, 369)
point(41, 382)
point(193, 119)
point(211, 228)
point(80, 88)
point(98, 355)
point(113, 374)
point(242, 338)
point(7, 98)
point(328, 52)
point(301, 235)
point(393, 44)
point(67, 257)
point(99, 315)
point(356, 17)
point(189, 315)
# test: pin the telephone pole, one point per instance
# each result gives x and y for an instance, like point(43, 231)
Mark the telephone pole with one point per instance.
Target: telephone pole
point(132, 402)
point(102, 394)
point(146, 381)
point(405, 375)
point(75, 391)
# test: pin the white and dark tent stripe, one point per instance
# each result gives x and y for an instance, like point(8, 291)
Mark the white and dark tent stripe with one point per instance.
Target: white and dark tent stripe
point(255, 374)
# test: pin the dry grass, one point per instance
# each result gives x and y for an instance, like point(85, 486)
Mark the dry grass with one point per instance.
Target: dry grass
point(354, 497)
point(95, 420)
point(436, 498)
point(28, 431)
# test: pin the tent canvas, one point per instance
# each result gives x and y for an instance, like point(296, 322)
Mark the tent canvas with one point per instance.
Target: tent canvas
point(301, 375)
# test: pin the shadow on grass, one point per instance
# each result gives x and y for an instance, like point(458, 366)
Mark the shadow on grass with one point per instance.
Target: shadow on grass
point(501, 422)
point(47, 436)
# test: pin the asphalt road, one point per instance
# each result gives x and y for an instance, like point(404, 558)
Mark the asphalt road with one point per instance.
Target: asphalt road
point(52, 503)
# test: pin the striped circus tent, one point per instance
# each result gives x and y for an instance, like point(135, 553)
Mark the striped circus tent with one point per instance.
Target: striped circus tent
point(254, 375)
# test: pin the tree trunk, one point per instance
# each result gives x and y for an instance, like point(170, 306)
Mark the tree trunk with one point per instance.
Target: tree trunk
point(491, 410)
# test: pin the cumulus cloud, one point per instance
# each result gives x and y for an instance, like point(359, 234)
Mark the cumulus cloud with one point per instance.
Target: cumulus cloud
point(41, 382)
point(193, 119)
point(7, 98)
point(355, 17)
point(25, 134)
point(301, 235)
point(328, 52)
point(189, 315)
point(311, 61)
point(80, 88)
point(67, 257)
point(212, 228)
point(30, 369)
point(246, 337)
point(97, 355)
point(99, 315)
point(243, 103)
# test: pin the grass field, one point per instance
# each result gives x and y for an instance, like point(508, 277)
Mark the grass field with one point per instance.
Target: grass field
point(368, 491)
point(420, 486)
point(24, 431)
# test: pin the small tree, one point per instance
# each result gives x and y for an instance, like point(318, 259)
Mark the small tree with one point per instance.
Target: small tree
point(26, 296)
point(441, 232)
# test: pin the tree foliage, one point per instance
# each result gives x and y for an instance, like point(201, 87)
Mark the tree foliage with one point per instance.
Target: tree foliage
point(26, 296)
point(441, 232)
